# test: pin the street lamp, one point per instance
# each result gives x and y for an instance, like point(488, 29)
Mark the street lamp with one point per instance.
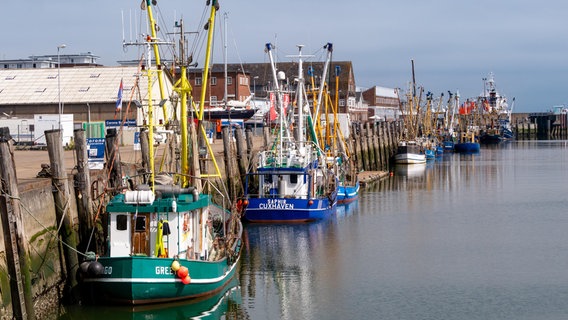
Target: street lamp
point(62, 46)
point(254, 85)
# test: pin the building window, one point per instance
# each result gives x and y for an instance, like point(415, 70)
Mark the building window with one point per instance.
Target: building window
point(197, 81)
point(342, 102)
point(213, 101)
point(213, 81)
point(229, 80)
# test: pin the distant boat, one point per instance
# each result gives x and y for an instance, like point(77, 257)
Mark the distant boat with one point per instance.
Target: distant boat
point(496, 112)
point(468, 143)
point(409, 152)
point(219, 113)
point(490, 136)
point(347, 193)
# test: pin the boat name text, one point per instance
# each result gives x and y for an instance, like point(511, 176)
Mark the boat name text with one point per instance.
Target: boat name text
point(164, 270)
point(276, 204)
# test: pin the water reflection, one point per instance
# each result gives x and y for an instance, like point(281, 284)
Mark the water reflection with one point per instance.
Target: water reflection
point(279, 265)
point(226, 303)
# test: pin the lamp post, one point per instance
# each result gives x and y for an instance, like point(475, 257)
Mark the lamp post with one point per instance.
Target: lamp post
point(254, 85)
point(254, 97)
point(62, 46)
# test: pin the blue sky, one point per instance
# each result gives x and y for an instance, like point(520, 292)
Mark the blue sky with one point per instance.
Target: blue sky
point(454, 44)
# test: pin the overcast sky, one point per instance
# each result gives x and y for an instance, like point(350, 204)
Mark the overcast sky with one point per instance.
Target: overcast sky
point(454, 44)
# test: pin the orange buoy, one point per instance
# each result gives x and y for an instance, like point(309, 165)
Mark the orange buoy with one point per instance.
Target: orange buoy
point(182, 272)
point(186, 280)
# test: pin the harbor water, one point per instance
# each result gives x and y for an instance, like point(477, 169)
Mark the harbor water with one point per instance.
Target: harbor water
point(481, 236)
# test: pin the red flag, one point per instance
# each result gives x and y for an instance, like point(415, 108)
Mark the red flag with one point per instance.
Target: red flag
point(272, 113)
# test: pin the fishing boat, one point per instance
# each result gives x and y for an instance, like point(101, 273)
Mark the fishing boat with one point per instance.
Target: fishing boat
point(328, 131)
point(347, 193)
point(409, 152)
point(234, 110)
point(168, 236)
point(468, 143)
point(496, 113)
point(292, 182)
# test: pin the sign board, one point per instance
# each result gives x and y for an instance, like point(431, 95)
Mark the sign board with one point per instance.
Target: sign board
point(137, 140)
point(116, 123)
point(96, 153)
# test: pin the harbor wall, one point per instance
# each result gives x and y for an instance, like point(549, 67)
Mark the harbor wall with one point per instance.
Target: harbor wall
point(46, 262)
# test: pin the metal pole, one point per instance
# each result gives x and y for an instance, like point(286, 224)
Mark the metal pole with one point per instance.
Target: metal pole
point(62, 46)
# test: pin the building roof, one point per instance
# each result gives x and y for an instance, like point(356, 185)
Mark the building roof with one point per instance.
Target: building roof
point(77, 85)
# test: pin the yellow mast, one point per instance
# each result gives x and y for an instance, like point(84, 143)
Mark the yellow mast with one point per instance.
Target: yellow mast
point(210, 26)
point(150, 123)
point(183, 88)
point(154, 41)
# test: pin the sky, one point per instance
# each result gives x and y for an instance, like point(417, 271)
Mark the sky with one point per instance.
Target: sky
point(454, 44)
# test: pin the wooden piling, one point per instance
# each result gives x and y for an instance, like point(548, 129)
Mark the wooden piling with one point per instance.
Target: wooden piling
point(369, 145)
point(83, 189)
point(364, 149)
point(62, 198)
point(17, 256)
point(242, 159)
point(113, 159)
point(230, 172)
point(383, 141)
point(250, 145)
point(376, 150)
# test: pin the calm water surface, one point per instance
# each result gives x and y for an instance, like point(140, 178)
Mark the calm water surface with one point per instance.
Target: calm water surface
point(480, 236)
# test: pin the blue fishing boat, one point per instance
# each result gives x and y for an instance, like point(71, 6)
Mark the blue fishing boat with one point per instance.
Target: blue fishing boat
point(468, 143)
point(292, 182)
point(347, 193)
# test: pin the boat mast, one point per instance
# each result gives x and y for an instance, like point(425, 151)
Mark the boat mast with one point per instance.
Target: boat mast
point(210, 27)
point(225, 98)
point(150, 120)
point(154, 41)
point(268, 48)
point(300, 101)
point(183, 88)
point(329, 47)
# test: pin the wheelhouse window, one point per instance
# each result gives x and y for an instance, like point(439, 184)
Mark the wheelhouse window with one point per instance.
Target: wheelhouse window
point(121, 222)
point(293, 178)
point(140, 223)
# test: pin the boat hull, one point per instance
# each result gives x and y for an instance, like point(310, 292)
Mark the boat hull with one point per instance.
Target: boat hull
point(347, 194)
point(409, 153)
point(143, 280)
point(467, 147)
point(490, 138)
point(288, 210)
point(243, 114)
point(409, 158)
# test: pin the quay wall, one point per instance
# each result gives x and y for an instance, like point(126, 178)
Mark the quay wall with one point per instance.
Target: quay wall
point(45, 263)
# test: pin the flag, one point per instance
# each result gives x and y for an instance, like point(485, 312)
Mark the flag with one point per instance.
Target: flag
point(119, 98)
point(272, 115)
